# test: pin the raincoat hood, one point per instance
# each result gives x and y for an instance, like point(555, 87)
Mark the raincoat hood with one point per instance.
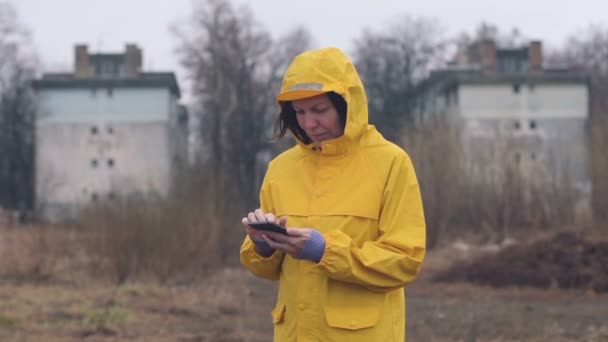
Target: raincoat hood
point(329, 69)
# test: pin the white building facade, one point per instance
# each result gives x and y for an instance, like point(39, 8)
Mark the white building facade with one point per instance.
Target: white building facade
point(512, 110)
point(106, 130)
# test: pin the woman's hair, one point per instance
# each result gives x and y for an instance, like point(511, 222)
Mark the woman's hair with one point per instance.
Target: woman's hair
point(287, 118)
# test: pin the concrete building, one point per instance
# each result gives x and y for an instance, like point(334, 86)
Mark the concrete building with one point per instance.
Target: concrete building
point(106, 129)
point(513, 109)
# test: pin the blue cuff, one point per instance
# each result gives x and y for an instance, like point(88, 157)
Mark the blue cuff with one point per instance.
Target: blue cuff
point(263, 248)
point(314, 248)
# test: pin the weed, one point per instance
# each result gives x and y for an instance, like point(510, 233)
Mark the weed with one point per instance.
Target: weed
point(7, 321)
point(101, 319)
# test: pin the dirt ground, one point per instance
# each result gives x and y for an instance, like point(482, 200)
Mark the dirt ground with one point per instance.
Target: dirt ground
point(234, 306)
point(567, 260)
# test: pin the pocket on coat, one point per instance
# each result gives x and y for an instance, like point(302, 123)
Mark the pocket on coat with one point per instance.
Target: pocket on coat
point(277, 313)
point(351, 306)
point(353, 318)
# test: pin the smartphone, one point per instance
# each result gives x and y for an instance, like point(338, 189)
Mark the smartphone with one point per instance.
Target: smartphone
point(269, 226)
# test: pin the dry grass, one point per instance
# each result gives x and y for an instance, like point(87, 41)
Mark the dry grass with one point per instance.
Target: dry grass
point(220, 310)
point(73, 304)
point(599, 165)
point(467, 312)
point(169, 239)
point(491, 196)
point(154, 272)
point(40, 254)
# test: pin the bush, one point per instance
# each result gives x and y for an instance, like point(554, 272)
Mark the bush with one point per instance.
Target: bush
point(467, 188)
point(29, 254)
point(169, 239)
point(565, 260)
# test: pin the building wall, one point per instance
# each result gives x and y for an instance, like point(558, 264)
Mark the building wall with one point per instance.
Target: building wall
point(537, 101)
point(543, 129)
point(558, 146)
point(105, 104)
point(93, 145)
point(541, 121)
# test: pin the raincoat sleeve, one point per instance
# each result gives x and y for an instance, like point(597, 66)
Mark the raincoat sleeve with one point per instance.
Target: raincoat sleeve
point(268, 267)
point(394, 259)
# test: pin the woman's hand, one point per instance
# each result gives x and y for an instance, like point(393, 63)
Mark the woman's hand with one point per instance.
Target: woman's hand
point(259, 216)
point(293, 243)
point(296, 240)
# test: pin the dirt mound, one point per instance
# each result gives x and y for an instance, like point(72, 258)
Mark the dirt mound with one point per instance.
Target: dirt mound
point(565, 260)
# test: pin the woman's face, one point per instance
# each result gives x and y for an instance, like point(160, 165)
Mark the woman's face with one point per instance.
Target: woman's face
point(318, 118)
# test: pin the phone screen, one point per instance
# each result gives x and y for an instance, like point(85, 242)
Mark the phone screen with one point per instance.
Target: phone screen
point(270, 226)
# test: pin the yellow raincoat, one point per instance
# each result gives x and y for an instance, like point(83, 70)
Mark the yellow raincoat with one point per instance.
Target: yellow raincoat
point(360, 191)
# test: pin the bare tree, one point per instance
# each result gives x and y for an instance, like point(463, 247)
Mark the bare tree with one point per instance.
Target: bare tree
point(283, 51)
point(17, 69)
point(392, 63)
point(588, 50)
point(221, 52)
point(436, 150)
point(235, 68)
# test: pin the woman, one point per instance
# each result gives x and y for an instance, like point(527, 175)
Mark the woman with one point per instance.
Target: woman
point(351, 203)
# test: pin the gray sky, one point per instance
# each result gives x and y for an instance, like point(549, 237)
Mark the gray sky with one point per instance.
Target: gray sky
point(106, 25)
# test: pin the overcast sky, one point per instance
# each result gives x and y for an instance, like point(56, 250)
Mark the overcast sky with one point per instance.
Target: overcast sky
point(106, 25)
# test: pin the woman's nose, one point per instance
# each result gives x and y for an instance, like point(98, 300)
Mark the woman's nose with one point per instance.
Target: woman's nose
point(309, 122)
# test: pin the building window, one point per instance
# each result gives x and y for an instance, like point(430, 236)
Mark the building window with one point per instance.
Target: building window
point(516, 88)
point(510, 61)
point(110, 162)
point(94, 163)
point(94, 130)
point(532, 124)
point(106, 68)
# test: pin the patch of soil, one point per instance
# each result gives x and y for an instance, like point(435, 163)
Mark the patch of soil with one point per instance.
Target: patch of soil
point(565, 260)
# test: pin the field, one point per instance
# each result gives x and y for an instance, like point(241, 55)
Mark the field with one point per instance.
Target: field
point(229, 304)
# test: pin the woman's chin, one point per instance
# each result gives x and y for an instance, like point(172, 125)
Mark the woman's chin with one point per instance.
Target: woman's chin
point(317, 143)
